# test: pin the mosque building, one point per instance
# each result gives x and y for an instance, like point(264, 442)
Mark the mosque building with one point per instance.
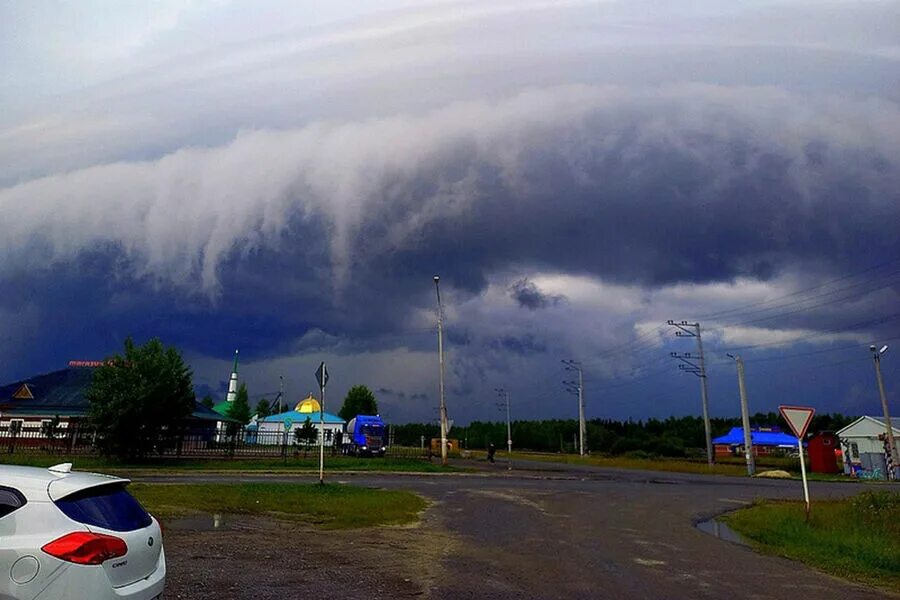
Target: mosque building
point(271, 430)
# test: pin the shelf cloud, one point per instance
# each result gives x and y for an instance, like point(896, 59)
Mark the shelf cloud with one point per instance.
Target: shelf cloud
point(290, 182)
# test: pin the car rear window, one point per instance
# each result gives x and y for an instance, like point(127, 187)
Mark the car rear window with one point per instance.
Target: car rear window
point(10, 500)
point(106, 506)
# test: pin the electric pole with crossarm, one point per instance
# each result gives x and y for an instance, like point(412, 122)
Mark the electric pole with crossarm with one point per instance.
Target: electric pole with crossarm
point(574, 365)
point(505, 394)
point(698, 368)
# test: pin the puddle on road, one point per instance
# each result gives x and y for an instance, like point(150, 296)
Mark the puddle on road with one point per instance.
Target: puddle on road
point(721, 531)
point(202, 522)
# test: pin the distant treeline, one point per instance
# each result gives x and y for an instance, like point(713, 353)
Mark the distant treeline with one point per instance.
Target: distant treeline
point(682, 436)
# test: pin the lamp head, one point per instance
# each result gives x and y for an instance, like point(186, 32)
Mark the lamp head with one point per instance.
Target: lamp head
point(883, 349)
point(436, 278)
point(872, 347)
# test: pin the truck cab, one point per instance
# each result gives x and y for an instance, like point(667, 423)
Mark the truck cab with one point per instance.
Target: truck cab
point(366, 435)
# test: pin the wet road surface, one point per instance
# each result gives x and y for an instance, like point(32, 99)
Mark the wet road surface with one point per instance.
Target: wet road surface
point(548, 531)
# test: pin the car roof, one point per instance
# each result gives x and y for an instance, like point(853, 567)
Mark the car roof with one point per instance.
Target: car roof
point(38, 483)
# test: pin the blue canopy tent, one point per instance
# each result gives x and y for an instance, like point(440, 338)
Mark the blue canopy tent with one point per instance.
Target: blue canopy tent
point(757, 438)
point(768, 439)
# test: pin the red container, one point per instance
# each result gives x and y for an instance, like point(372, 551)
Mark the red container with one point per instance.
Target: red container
point(822, 456)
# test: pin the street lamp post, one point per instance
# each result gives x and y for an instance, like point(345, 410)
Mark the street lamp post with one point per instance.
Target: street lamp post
point(889, 430)
point(443, 407)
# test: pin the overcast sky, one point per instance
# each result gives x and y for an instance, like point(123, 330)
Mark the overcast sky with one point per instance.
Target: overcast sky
point(286, 178)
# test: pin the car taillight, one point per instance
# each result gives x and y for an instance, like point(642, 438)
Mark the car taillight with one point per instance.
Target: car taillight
point(86, 548)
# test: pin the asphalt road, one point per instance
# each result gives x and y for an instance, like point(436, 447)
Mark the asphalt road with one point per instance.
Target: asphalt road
point(558, 531)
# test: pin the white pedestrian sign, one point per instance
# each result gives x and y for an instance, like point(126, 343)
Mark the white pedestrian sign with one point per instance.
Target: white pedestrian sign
point(798, 419)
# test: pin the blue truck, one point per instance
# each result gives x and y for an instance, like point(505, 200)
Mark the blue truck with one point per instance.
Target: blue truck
point(365, 435)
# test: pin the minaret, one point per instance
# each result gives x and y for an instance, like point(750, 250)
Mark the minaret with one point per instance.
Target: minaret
point(233, 382)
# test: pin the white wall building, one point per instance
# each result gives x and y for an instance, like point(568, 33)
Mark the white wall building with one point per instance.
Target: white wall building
point(864, 436)
point(271, 429)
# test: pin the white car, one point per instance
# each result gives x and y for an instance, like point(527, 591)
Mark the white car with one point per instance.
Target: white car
point(75, 536)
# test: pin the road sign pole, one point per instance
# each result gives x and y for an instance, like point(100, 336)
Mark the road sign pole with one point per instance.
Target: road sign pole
point(322, 378)
point(322, 438)
point(803, 475)
point(798, 419)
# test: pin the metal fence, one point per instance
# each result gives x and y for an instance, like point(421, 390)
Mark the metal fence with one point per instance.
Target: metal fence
point(204, 442)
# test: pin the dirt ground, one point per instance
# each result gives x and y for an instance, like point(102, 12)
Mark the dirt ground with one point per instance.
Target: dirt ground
point(579, 533)
point(261, 558)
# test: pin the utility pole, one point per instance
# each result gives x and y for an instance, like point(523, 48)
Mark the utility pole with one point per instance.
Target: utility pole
point(686, 329)
point(501, 392)
point(280, 392)
point(889, 430)
point(573, 365)
point(443, 408)
point(745, 417)
point(572, 388)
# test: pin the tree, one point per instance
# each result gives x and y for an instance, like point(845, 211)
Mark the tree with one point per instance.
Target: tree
point(49, 429)
point(139, 399)
point(208, 401)
point(359, 401)
point(240, 407)
point(263, 409)
point(306, 435)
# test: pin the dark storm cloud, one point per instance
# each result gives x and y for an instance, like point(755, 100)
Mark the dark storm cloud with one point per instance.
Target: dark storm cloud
point(650, 187)
point(523, 345)
point(299, 201)
point(527, 294)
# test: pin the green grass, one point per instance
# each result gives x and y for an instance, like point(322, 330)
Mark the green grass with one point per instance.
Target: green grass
point(623, 462)
point(856, 538)
point(731, 466)
point(336, 463)
point(330, 506)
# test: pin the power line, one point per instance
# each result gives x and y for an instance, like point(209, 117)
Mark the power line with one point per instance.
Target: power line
point(813, 352)
point(628, 348)
point(637, 344)
point(813, 335)
point(799, 292)
point(633, 340)
point(889, 283)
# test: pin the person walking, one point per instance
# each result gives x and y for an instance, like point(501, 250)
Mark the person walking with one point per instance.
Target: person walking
point(491, 450)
